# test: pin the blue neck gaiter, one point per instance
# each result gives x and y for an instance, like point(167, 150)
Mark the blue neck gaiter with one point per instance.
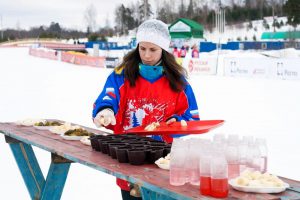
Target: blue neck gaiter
point(150, 72)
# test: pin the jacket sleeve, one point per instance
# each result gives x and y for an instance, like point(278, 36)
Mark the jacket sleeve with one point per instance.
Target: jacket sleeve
point(110, 95)
point(187, 105)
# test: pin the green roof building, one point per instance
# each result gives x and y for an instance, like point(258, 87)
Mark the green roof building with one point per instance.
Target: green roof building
point(281, 35)
point(185, 29)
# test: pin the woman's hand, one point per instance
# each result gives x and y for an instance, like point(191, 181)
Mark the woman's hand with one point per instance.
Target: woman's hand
point(104, 118)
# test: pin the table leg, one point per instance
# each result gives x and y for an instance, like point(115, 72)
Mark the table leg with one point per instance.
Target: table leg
point(56, 178)
point(28, 166)
point(32, 175)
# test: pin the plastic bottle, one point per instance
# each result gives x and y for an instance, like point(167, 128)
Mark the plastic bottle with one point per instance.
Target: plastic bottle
point(177, 163)
point(205, 175)
point(263, 154)
point(219, 176)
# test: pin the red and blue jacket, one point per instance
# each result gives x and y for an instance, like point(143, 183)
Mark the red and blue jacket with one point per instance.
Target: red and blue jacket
point(146, 102)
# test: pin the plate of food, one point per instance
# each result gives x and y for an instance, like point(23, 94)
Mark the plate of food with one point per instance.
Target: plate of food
point(258, 183)
point(76, 134)
point(46, 125)
point(63, 128)
point(29, 122)
point(182, 127)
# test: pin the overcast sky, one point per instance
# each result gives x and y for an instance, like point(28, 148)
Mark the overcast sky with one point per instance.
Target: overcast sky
point(68, 13)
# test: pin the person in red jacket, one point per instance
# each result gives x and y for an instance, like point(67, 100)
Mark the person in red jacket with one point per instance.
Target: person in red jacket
point(148, 86)
point(176, 52)
point(182, 52)
point(195, 52)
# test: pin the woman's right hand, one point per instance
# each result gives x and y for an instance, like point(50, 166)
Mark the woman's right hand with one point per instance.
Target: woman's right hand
point(104, 118)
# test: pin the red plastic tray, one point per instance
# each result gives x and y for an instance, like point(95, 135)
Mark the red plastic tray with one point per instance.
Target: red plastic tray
point(193, 127)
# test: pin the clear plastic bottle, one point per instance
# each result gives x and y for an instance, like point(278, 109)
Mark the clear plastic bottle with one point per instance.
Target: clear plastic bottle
point(177, 163)
point(263, 148)
point(192, 162)
point(219, 176)
point(232, 157)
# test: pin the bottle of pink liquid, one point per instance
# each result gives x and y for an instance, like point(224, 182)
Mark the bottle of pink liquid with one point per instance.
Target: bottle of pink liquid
point(205, 179)
point(219, 176)
point(219, 187)
point(205, 185)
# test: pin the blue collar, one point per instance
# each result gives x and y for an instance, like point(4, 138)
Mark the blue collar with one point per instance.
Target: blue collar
point(151, 73)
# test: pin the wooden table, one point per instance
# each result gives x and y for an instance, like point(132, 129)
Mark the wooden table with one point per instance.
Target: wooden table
point(153, 182)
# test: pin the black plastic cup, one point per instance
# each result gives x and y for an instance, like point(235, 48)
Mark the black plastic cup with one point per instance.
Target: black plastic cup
point(167, 150)
point(104, 145)
point(155, 154)
point(94, 142)
point(136, 156)
point(112, 147)
point(122, 154)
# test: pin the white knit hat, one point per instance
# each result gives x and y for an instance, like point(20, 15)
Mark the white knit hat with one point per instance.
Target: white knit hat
point(154, 31)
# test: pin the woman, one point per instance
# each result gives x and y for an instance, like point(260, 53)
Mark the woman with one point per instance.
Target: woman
point(148, 86)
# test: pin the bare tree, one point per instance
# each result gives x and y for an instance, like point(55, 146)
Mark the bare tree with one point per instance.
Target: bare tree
point(90, 16)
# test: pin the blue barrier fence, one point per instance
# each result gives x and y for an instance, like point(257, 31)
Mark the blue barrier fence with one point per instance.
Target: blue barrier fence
point(109, 45)
point(209, 46)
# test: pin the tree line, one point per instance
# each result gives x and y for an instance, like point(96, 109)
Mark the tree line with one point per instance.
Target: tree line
point(128, 17)
point(203, 12)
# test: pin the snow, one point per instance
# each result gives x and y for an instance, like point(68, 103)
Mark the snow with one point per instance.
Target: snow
point(39, 88)
point(241, 31)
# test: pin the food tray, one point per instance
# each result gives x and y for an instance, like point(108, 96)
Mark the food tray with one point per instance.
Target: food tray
point(193, 127)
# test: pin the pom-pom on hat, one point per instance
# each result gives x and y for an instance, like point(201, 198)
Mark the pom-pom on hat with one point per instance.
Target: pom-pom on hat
point(154, 31)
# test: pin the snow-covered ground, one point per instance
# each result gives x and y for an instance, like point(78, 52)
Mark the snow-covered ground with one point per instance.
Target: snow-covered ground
point(41, 88)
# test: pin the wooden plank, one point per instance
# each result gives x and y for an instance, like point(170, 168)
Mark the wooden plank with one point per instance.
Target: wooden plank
point(55, 182)
point(29, 168)
point(147, 176)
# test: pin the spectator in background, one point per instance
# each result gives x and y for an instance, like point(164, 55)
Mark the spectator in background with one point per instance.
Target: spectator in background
point(195, 52)
point(175, 52)
point(182, 52)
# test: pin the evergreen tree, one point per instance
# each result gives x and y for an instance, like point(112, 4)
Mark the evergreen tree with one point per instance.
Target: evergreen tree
point(190, 10)
point(292, 10)
point(145, 10)
point(182, 10)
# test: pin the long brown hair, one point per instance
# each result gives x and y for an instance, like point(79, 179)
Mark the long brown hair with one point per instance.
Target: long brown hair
point(174, 72)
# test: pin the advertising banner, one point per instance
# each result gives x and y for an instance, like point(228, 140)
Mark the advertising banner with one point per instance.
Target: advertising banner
point(203, 66)
point(288, 69)
point(83, 59)
point(276, 68)
point(249, 67)
point(43, 53)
